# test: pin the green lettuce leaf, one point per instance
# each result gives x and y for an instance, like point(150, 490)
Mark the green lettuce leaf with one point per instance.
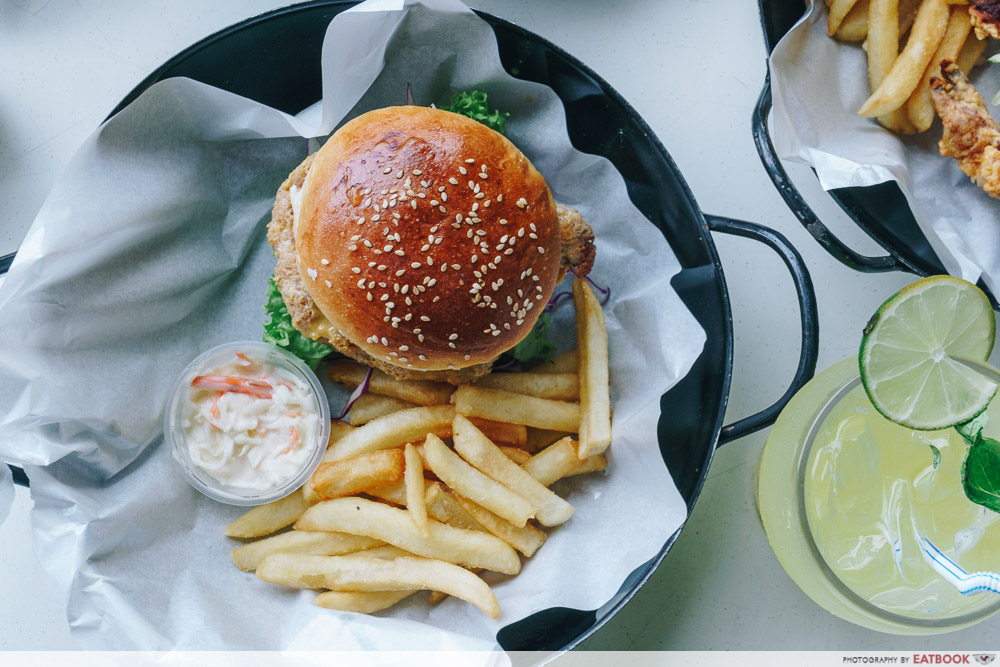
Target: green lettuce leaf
point(472, 103)
point(536, 346)
point(278, 330)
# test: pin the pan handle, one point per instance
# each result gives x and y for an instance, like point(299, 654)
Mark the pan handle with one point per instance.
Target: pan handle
point(798, 205)
point(807, 306)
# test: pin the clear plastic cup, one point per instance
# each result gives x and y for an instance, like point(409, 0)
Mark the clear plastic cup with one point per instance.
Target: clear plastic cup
point(178, 437)
point(842, 521)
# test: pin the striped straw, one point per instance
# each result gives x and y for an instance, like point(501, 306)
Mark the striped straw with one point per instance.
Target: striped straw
point(966, 583)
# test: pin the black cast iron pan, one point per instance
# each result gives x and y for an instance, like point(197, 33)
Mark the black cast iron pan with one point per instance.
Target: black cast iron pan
point(286, 75)
point(880, 210)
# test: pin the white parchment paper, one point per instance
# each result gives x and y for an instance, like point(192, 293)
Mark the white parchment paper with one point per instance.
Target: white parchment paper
point(151, 248)
point(6, 491)
point(818, 84)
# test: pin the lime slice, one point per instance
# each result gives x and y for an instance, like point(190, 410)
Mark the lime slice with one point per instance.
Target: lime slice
point(908, 353)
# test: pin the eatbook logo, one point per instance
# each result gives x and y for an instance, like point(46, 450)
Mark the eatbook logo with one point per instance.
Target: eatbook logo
point(985, 658)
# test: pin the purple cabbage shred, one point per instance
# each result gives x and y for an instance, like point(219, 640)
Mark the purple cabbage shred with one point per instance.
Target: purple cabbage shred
point(358, 392)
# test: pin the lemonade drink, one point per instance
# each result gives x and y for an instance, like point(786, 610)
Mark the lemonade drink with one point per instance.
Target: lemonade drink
point(870, 487)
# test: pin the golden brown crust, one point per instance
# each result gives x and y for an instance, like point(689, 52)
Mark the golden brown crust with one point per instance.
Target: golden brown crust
point(985, 18)
point(281, 236)
point(398, 194)
point(971, 136)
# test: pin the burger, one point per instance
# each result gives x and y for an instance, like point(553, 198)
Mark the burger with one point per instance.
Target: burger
point(421, 242)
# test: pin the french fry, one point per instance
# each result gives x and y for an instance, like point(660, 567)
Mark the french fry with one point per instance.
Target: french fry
point(854, 27)
point(444, 507)
point(557, 386)
point(595, 399)
point(361, 602)
point(539, 438)
point(928, 30)
point(970, 54)
point(502, 433)
point(487, 458)
point(883, 47)
point(562, 460)
point(473, 484)
point(372, 406)
point(527, 540)
point(357, 573)
point(269, 518)
point(346, 477)
point(393, 493)
point(249, 556)
point(421, 392)
point(907, 13)
point(359, 516)
point(414, 482)
point(515, 454)
point(919, 107)
point(452, 509)
point(517, 408)
point(393, 430)
point(838, 11)
point(338, 430)
point(564, 362)
point(384, 551)
point(515, 435)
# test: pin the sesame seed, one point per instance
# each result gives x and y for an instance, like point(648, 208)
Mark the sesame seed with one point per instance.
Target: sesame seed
point(420, 337)
point(452, 346)
point(399, 174)
point(522, 202)
point(453, 180)
point(376, 217)
point(413, 203)
point(370, 297)
point(496, 333)
point(470, 161)
point(384, 297)
point(417, 172)
point(387, 170)
point(382, 267)
point(355, 270)
point(424, 318)
point(422, 357)
point(541, 250)
point(399, 252)
point(384, 341)
point(502, 221)
point(434, 202)
point(462, 171)
point(415, 265)
point(400, 272)
point(444, 196)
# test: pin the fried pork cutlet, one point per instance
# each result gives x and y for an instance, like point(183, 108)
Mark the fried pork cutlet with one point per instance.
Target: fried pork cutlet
point(971, 136)
point(985, 18)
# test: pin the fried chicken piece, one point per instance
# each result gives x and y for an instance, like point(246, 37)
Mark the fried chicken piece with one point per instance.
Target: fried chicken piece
point(985, 18)
point(577, 241)
point(971, 136)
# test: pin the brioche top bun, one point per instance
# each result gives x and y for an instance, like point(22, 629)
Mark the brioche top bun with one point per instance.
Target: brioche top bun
point(427, 239)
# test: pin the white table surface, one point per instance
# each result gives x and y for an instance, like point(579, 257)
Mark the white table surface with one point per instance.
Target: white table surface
point(693, 70)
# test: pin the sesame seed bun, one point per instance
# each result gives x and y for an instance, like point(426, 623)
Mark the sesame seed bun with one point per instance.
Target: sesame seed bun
point(427, 240)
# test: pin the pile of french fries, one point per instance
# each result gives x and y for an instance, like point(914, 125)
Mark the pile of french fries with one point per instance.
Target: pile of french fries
point(393, 509)
point(906, 40)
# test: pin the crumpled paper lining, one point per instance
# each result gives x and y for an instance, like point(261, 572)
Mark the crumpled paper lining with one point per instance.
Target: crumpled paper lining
point(6, 491)
point(818, 84)
point(151, 249)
